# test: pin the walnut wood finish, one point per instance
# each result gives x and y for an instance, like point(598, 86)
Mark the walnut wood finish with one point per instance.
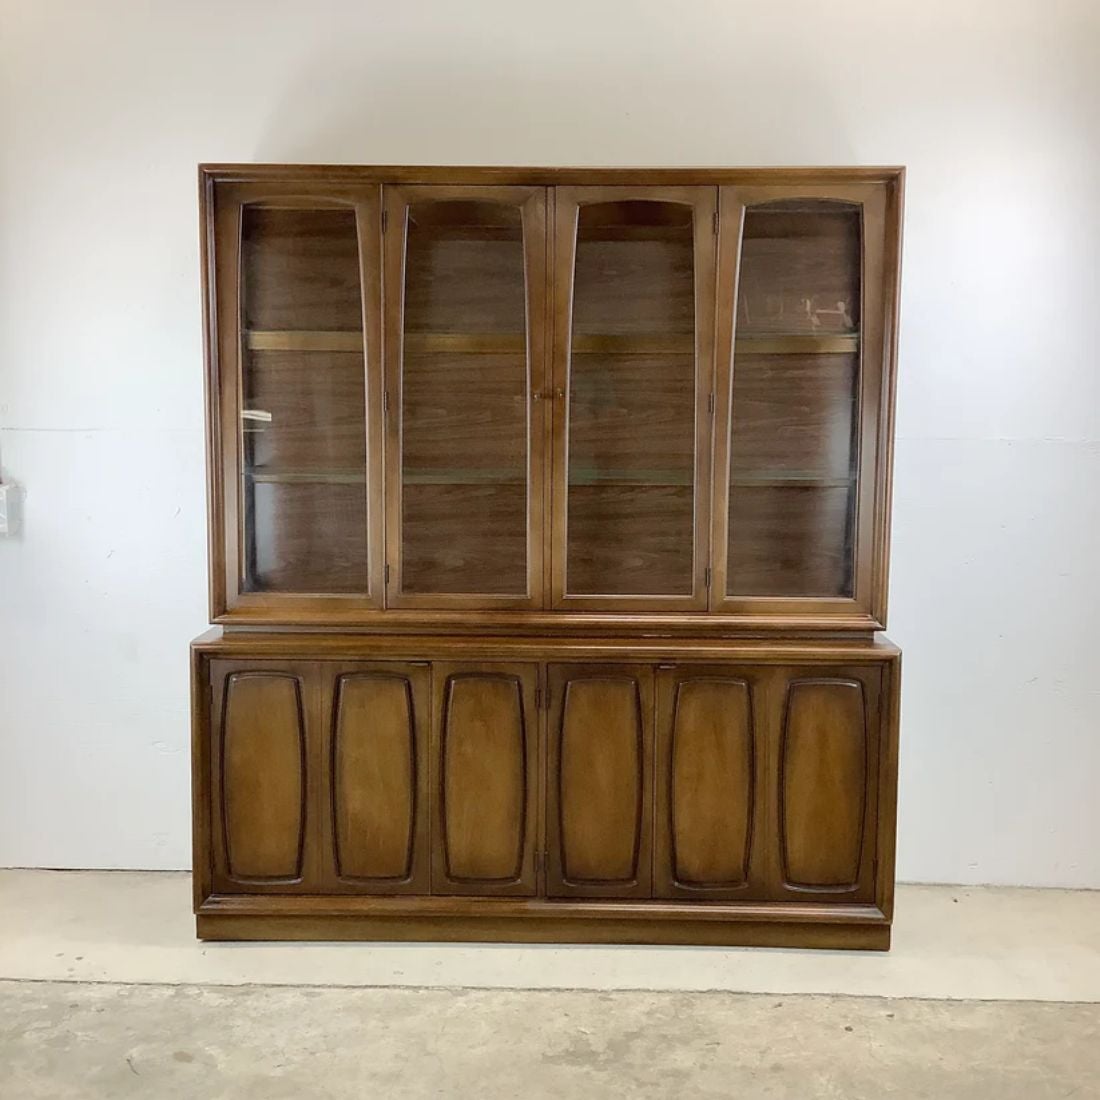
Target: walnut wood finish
point(465, 434)
point(632, 264)
point(762, 782)
point(375, 803)
point(485, 755)
point(828, 522)
point(707, 777)
point(599, 801)
point(805, 553)
point(348, 566)
point(559, 500)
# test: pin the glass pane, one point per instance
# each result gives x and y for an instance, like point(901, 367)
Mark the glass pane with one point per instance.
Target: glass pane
point(464, 401)
point(303, 431)
point(631, 434)
point(795, 387)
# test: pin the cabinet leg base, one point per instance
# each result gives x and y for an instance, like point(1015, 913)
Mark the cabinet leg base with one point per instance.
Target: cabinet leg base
point(857, 935)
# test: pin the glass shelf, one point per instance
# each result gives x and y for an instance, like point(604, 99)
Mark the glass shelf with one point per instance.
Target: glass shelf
point(263, 476)
point(666, 478)
point(462, 477)
point(794, 481)
point(339, 340)
point(797, 343)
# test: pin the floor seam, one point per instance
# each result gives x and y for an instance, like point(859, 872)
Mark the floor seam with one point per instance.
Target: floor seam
point(394, 987)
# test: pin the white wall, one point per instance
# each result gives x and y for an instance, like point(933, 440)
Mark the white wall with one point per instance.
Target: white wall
point(105, 109)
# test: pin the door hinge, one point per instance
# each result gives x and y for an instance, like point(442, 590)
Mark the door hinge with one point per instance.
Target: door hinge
point(387, 573)
point(716, 223)
point(385, 220)
point(386, 402)
point(710, 403)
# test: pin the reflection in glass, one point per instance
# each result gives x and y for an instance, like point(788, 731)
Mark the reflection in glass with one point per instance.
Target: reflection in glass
point(464, 445)
point(303, 443)
point(631, 424)
point(793, 447)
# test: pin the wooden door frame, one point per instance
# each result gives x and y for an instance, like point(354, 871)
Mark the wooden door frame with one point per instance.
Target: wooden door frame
point(532, 204)
point(567, 203)
point(876, 381)
point(221, 215)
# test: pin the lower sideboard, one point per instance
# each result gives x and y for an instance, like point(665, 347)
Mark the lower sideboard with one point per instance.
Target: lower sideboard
point(522, 789)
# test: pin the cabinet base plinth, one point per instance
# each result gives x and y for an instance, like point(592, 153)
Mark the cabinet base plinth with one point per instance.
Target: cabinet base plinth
point(836, 934)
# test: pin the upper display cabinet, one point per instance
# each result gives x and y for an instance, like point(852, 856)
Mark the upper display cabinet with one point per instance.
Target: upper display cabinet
point(528, 399)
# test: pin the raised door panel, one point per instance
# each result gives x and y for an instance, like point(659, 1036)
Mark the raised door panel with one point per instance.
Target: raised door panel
point(297, 360)
point(263, 782)
point(803, 374)
point(599, 781)
point(465, 347)
point(826, 790)
point(633, 350)
point(707, 780)
point(378, 812)
point(485, 759)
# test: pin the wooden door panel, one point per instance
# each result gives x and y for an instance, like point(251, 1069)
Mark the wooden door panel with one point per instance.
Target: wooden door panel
point(706, 782)
point(823, 783)
point(376, 820)
point(374, 777)
point(263, 780)
point(264, 776)
point(485, 753)
point(600, 812)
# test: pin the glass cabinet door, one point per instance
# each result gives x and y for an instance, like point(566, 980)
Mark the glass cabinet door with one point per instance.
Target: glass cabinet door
point(799, 280)
point(634, 271)
point(295, 424)
point(465, 302)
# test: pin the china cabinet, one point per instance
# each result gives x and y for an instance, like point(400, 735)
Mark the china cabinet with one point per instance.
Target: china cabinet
point(549, 516)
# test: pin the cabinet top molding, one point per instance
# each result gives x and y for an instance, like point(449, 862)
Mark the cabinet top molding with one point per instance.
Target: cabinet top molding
point(548, 176)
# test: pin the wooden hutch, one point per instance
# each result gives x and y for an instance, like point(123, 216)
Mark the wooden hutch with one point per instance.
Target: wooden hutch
point(549, 515)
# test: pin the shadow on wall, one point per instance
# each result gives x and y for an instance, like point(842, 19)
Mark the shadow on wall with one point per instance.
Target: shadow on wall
point(597, 109)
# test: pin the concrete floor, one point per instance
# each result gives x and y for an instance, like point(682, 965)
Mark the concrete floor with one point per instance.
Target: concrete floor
point(61, 1041)
point(105, 993)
